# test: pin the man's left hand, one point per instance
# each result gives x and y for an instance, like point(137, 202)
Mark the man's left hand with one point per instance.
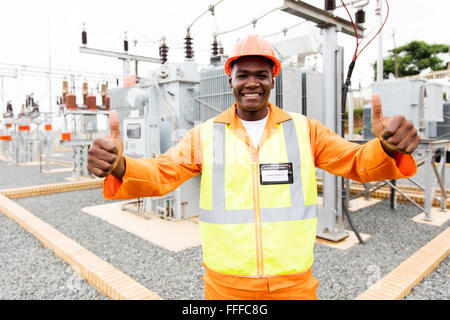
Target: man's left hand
point(396, 133)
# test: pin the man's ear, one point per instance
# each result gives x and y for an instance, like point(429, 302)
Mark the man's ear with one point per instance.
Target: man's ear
point(230, 82)
point(273, 82)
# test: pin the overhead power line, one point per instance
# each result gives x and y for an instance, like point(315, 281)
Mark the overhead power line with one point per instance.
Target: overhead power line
point(253, 21)
point(24, 68)
point(211, 9)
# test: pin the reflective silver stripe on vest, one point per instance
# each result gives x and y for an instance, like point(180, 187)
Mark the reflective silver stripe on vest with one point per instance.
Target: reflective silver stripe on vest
point(298, 210)
point(218, 214)
point(218, 169)
point(227, 216)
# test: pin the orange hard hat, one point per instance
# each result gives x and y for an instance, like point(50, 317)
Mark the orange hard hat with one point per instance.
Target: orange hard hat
point(253, 45)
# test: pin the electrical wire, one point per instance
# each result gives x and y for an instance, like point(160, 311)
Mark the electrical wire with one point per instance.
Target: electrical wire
point(344, 103)
point(358, 43)
point(210, 8)
point(356, 31)
point(253, 21)
point(284, 30)
point(381, 28)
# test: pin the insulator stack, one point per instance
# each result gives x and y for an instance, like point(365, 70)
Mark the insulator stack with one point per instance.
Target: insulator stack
point(188, 46)
point(163, 50)
point(215, 47)
point(107, 102)
point(360, 16)
point(330, 5)
point(84, 36)
point(104, 87)
point(103, 94)
point(85, 92)
point(71, 101)
point(220, 49)
point(85, 88)
point(9, 107)
point(91, 102)
point(65, 87)
point(125, 43)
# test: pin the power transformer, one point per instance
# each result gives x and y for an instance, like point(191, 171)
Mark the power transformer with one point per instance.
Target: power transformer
point(296, 90)
point(419, 101)
point(156, 112)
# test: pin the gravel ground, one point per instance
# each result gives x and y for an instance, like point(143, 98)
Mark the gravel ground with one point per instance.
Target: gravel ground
point(28, 271)
point(347, 274)
point(435, 285)
point(14, 176)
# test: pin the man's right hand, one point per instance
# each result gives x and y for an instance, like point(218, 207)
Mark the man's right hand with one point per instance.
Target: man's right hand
point(105, 155)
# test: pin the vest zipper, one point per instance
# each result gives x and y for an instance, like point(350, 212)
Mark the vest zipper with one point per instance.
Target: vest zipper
point(259, 250)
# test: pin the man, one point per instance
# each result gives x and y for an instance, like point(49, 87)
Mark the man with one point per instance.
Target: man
point(258, 193)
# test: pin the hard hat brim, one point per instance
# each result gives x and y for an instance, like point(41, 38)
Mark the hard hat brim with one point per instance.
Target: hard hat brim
point(276, 63)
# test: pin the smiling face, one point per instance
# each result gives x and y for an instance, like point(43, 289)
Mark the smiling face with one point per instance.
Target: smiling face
point(251, 79)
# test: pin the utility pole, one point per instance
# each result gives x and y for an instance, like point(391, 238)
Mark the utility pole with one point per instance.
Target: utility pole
point(2, 87)
point(379, 13)
point(124, 56)
point(395, 56)
point(330, 224)
point(49, 70)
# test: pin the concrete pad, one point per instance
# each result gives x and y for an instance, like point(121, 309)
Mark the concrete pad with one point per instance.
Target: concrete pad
point(319, 201)
point(171, 235)
point(398, 283)
point(58, 170)
point(29, 163)
point(53, 155)
point(360, 203)
point(62, 162)
point(80, 178)
point(355, 204)
point(346, 243)
point(439, 217)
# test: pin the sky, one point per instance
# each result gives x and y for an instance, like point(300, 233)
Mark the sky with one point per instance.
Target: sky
point(47, 34)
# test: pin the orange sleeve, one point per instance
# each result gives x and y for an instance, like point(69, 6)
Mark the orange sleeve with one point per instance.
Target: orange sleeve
point(363, 163)
point(157, 176)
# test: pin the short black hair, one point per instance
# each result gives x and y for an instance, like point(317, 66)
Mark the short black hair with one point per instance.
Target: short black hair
point(272, 63)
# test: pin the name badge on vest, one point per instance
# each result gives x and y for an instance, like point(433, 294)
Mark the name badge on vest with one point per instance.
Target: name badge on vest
point(276, 173)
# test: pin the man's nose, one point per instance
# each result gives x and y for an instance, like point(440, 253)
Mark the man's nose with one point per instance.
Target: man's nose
point(252, 82)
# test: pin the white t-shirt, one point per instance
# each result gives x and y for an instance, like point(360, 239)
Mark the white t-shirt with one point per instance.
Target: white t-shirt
point(255, 128)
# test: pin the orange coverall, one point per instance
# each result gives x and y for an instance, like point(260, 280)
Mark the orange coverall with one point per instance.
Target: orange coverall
point(159, 176)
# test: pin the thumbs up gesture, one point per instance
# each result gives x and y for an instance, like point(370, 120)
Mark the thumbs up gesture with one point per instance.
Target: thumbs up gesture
point(105, 155)
point(395, 133)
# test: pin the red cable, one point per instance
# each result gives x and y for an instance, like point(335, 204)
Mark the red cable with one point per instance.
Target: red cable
point(356, 54)
point(354, 28)
point(381, 28)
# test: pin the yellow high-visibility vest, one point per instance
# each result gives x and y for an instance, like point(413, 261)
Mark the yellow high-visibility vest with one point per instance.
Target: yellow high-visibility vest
point(253, 229)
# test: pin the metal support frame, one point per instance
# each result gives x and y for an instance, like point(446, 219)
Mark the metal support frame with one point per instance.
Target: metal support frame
point(425, 155)
point(81, 140)
point(330, 223)
point(321, 17)
point(121, 55)
point(22, 143)
point(2, 87)
point(79, 157)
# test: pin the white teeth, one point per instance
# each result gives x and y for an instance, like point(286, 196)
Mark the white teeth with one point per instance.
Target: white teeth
point(251, 95)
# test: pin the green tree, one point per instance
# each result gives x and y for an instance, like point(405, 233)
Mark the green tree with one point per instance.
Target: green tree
point(412, 58)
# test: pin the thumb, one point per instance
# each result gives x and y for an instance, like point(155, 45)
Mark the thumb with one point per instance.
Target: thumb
point(115, 131)
point(377, 109)
point(378, 120)
point(114, 124)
